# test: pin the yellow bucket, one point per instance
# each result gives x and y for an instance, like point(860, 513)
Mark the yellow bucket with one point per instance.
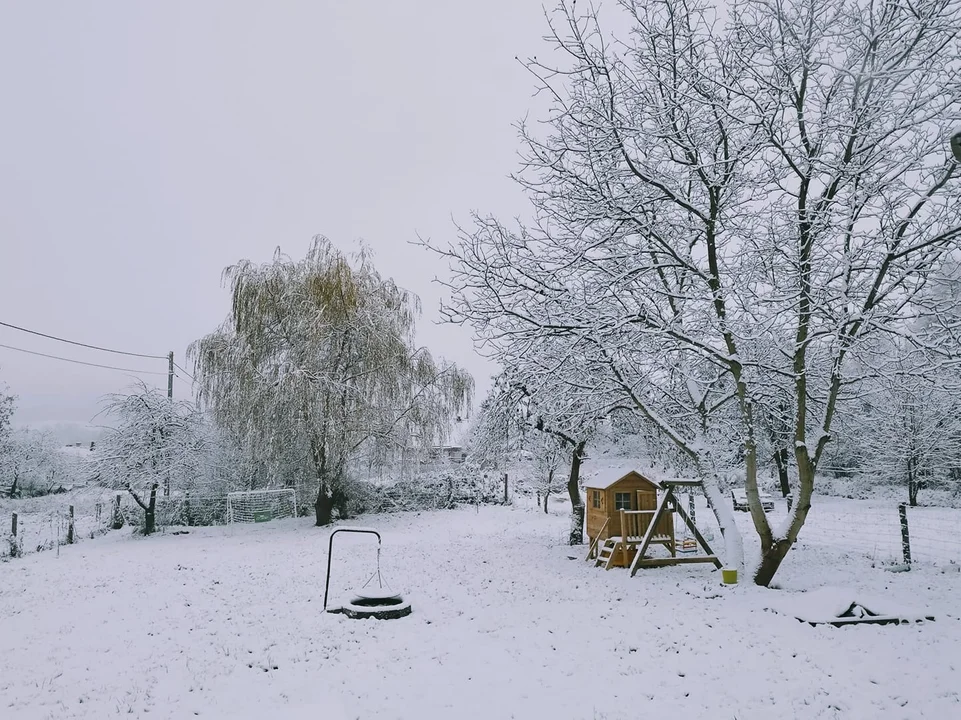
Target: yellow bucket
point(729, 575)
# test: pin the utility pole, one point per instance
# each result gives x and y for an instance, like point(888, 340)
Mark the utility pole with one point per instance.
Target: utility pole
point(170, 375)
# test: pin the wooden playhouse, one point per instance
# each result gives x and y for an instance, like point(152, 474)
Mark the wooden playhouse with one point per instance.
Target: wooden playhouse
point(628, 513)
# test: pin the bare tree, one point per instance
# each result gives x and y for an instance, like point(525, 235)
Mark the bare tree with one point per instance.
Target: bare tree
point(317, 361)
point(906, 420)
point(724, 206)
point(547, 458)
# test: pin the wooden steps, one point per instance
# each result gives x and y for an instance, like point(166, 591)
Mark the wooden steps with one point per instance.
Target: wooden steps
point(605, 556)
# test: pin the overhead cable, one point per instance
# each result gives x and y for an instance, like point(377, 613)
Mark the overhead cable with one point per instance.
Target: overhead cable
point(81, 362)
point(185, 372)
point(80, 344)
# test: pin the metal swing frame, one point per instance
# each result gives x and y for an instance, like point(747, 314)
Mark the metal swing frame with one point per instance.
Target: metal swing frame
point(330, 548)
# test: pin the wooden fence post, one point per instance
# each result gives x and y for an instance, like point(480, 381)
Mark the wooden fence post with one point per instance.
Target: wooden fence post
point(14, 545)
point(70, 527)
point(905, 536)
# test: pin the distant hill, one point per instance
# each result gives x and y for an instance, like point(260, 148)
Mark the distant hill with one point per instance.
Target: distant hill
point(68, 433)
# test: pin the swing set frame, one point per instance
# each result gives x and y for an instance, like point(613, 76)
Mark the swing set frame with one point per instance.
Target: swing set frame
point(330, 549)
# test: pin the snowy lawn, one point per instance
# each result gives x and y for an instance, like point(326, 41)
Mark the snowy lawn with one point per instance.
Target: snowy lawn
point(227, 623)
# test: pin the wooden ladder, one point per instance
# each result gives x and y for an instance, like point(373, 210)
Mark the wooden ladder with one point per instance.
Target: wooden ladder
point(606, 555)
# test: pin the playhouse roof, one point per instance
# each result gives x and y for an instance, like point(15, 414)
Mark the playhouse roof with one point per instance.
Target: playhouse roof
point(614, 476)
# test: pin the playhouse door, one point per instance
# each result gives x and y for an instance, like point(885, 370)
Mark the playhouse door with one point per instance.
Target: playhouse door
point(646, 500)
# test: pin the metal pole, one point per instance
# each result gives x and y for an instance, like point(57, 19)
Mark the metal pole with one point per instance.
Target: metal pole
point(330, 548)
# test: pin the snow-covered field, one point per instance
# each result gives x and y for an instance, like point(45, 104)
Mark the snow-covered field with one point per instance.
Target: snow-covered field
point(227, 623)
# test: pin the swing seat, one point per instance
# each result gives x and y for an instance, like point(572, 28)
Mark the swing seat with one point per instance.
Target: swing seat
point(360, 609)
point(381, 593)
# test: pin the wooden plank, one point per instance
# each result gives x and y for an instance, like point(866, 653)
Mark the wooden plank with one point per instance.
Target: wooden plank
point(646, 542)
point(697, 533)
point(593, 545)
point(680, 560)
point(608, 564)
point(870, 620)
point(682, 483)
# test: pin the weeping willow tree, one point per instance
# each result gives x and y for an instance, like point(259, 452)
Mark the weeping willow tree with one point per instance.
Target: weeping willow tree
point(317, 360)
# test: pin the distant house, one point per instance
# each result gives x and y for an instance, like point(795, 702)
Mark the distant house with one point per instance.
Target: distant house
point(440, 454)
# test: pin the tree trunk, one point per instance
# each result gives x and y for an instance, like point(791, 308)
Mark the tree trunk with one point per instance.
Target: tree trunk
point(780, 460)
point(324, 507)
point(150, 512)
point(547, 490)
point(574, 491)
point(913, 484)
point(771, 558)
point(774, 551)
point(118, 520)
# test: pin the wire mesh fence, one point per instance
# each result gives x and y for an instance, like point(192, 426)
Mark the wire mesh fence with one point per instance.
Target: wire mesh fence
point(33, 531)
point(875, 530)
point(934, 535)
point(880, 530)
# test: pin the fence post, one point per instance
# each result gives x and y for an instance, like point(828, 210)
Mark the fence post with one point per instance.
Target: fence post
point(70, 527)
point(14, 545)
point(905, 536)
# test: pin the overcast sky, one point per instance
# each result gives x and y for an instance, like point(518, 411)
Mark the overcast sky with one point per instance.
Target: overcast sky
point(146, 145)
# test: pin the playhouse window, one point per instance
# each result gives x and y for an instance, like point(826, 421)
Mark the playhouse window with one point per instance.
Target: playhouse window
point(596, 498)
point(622, 501)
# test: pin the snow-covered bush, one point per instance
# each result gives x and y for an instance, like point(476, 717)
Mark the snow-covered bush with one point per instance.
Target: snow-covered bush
point(32, 464)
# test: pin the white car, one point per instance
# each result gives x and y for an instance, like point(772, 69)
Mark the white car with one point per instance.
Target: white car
point(739, 495)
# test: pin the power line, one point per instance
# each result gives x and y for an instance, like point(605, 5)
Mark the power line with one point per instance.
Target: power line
point(81, 362)
point(80, 344)
point(185, 372)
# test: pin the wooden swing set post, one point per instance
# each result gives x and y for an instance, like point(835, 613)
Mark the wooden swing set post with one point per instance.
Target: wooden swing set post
point(669, 501)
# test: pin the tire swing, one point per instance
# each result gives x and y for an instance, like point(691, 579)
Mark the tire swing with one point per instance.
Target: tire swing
point(380, 603)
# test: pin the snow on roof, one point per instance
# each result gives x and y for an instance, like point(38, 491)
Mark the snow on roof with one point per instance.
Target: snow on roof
point(610, 476)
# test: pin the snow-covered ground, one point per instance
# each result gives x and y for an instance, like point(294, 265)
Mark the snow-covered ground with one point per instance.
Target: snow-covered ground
point(227, 623)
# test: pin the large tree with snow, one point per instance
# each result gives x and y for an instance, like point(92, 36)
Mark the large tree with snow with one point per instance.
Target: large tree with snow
point(318, 359)
point(155, 444)
point(727, 207)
